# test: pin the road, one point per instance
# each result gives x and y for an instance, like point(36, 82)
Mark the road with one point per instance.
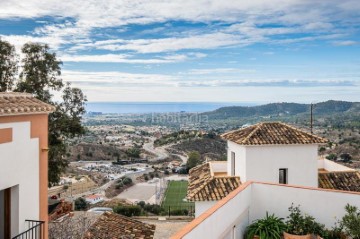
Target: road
point(161, 152)
point(101, 189)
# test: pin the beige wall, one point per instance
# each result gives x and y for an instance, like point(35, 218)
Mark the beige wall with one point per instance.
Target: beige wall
point(38, 130)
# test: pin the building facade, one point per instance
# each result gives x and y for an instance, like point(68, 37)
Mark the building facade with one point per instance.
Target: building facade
point(23, 163)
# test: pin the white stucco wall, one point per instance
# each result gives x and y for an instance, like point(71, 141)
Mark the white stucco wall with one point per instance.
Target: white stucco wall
point(221, 223)
point(255, 200)
point(263, 163)
point(326, 206)
point(332, 166)
point(218, 166)
point(240, 158)
point(19, 170)
point(202, 206)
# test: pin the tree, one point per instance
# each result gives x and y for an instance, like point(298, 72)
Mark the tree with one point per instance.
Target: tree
point(322, 150)
point(351, 221)
point(40, 76)
point(81, 204)
point(193, 160)
point(345, 157)
point(133, 152)
point(332, 156)
point(41, 71)
point(8, 66)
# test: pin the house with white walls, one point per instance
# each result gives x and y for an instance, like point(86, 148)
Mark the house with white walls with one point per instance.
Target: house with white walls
point(23, 165)
point(95, 198)
point(270, 166)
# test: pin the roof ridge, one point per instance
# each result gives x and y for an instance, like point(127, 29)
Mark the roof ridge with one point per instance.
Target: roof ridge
point(302, 131)
point(253, 132)
point(16, 94)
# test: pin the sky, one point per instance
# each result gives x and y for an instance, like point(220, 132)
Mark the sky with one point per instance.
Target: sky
point(197, 51)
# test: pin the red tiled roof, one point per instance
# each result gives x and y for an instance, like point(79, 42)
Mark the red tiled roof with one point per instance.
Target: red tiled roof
point(93, 196)
point(270, 133)
point(346, 181)
point(13, 103)
point(205, 187)
point(113, 226)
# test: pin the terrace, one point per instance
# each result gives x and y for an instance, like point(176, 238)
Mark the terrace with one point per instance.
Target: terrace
point(252, 200)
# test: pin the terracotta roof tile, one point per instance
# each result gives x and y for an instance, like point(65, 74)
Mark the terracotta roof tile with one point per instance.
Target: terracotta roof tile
point(113, 226)
point(270, 133)
point(346, 181)
point(14, 103)
point(205, 187)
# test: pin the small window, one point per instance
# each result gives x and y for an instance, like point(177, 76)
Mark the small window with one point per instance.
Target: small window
point(283, 175)
point(232, 164)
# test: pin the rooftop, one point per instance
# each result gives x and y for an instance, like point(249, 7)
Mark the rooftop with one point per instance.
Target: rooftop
point(345, 180)
point(272, 133)
point(204, 185)
point(110, 225)
point(95, 196)
point(14, 103)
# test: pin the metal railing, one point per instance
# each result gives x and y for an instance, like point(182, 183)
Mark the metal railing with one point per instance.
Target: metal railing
point(36, 230)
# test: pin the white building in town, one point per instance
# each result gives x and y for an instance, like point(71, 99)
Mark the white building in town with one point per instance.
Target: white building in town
point(269, 167)
point(92, 199)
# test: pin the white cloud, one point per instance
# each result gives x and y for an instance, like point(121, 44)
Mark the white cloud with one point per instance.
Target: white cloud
point(206, 41)
point(212, 71)
point(126, 58)
point(247, 18)
point(346, 43)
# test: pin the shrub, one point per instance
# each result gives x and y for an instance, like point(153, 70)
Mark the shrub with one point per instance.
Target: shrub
point(332, 157)
point(128, 211)
point(179, 212)
point(81, 204)
point(127, 181)
point(141, 204)
point(119, 185)
point(270, 227)
point(299, 224)
point(351, 221)
point(153, 208)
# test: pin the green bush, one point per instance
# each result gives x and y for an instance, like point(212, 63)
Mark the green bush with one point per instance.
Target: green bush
point(128, 211)
point(299, 224)
point(270, 227)
point(179, 212)
point(153, 208)
point(351, 221)
point(81, 204)
point(141, 204)
point(127, 181)
point(119, 185)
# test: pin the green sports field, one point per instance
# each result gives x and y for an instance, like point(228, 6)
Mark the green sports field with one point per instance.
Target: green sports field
point(174, 195)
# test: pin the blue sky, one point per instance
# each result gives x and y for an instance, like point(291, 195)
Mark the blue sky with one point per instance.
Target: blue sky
point(219, 51)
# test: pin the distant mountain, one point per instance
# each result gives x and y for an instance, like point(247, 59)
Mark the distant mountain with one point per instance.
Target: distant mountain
point(283, 109)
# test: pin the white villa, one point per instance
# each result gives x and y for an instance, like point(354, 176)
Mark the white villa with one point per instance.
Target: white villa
point(270, 166)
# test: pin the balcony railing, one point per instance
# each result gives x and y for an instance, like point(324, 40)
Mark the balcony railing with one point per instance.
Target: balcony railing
point(35, 231)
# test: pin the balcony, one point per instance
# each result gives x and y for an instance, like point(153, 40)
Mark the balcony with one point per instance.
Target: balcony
point(36, 230)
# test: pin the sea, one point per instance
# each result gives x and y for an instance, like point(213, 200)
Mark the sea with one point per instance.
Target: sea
point(158, 107)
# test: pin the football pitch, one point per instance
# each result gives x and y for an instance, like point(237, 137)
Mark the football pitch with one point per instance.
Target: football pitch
point(174, 195)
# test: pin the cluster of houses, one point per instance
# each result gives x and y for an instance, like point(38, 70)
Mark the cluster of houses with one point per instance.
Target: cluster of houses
point(270, 166)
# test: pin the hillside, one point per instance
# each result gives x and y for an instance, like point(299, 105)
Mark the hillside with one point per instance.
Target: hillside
point(338, 113)
point(328, 107)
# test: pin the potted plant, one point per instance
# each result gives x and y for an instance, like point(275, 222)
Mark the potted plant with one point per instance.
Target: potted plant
point(270, 227)
point(299, 226)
